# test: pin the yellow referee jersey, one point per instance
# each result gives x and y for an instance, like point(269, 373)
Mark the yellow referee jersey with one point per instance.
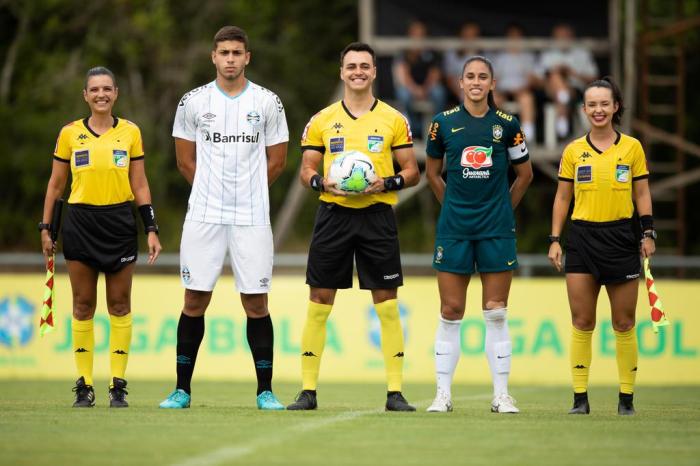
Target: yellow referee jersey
point(603, 180)
point(99, 163)
point(376, 134)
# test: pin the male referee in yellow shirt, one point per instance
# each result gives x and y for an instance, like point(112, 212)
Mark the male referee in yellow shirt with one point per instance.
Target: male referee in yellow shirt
point(361, 226)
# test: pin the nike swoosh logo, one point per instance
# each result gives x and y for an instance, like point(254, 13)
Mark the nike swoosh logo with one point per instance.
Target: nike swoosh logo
point(454, 130)
point(441, 354)
point(503, 357)
point(522, 150)
point(510, 262)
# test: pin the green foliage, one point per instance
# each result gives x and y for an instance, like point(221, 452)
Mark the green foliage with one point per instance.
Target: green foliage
point(158, 50)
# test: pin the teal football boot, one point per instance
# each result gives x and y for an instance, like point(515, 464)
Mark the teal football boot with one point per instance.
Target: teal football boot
point(179, 399)
point(267, 401)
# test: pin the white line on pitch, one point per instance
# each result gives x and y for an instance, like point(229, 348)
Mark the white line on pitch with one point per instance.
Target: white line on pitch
point(233, 452)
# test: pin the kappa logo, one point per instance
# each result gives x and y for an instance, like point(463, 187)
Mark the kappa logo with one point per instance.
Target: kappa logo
point(585, 155)
point(119, 352)
point(337, 126)
point(82, 136)
point(308, 354)
point(81, 350)
point(579, 366)
point(399, 354)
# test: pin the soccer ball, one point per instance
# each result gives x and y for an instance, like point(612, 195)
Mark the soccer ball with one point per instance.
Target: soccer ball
point(352, 171)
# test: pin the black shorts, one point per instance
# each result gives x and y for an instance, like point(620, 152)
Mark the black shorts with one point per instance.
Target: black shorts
point(369, 235)
point(102, 237)
point(607, 250)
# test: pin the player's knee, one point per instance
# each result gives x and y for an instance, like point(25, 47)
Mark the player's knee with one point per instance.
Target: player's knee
point(321, 296)
point(491, 305)
point(452, 310)
point(623, 324)
point(119, 308)
point(83, 310)
point(495, 316)
point(585, 323)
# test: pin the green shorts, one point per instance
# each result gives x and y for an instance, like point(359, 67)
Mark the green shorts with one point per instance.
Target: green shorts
point(468, 256)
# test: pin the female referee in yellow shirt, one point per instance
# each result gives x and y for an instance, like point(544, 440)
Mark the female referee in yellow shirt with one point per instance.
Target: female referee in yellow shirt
point(104, 155)
point(605, 171)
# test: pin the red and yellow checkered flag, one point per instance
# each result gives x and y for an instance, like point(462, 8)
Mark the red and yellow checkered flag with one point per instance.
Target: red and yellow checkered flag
point(658, 317)
point(46, 324)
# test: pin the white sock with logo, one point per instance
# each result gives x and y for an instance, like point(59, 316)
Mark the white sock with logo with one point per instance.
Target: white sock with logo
point(447, 351)
point(498, 348)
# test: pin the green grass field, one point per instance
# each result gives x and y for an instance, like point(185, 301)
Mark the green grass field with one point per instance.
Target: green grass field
point(38, 427)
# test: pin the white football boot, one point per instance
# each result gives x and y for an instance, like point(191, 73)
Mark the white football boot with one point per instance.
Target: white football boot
point(504, 403)
point(441, 404)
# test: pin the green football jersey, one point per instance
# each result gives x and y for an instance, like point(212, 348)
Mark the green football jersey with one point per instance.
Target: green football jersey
point(477, 153)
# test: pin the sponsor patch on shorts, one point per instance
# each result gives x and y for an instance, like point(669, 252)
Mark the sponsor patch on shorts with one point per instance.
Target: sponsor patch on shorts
point(82, 158)
point(120, 158)
point(622, 173)
point(584, 174)
point(337, 145)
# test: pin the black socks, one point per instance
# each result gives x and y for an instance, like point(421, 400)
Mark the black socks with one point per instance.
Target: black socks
point(190, 331)
point(261, 340)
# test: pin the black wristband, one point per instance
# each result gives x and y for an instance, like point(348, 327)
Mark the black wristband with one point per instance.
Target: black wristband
point(393, 183)
point(647, 222)
point(148, 216)
point(554, 239)
point(44, 226)
point(316, 183)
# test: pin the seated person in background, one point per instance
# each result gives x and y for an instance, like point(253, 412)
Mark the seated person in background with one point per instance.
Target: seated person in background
point(514, 70)
point(565, 70)
point(417, 77)
point(454, 59)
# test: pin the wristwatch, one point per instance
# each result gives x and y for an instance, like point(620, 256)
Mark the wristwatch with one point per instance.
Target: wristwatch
point(44, 226)
point(649, 234)
point(554, 239)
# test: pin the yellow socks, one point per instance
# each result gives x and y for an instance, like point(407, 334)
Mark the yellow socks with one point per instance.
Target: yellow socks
point(581, 341)
point(626, 345)
point(119, 343)
point(83, 347)
point(312, 342)
point(392, 342)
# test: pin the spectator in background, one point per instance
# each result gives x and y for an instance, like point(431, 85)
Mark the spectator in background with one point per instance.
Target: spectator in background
point(417, 77)
point(515, 70)
point(454, 59)
point(565, 69)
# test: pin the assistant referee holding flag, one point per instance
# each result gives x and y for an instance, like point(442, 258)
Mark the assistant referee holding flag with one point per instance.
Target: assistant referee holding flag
point(104, 155)
point(605, 171)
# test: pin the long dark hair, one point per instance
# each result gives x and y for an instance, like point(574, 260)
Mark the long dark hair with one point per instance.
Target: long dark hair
point(489, 98)
point(608, 83)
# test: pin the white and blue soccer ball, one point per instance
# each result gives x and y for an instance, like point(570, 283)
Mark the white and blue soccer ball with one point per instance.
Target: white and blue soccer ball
point(352, 171)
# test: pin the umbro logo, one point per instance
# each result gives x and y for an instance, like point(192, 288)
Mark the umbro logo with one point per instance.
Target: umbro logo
point(579, 366)
point(263, 364)
point(208, 116)
point(182, 359)
point(81, 350)
point(308, 353)
point(399, 354)
point(119, 352)
point(83, 136)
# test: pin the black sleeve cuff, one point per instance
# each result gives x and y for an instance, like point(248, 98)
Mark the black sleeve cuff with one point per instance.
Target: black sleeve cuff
point(59, 159)
point(640, 177)
point(568, 180)
point(320, 149)
point(402, 146)
point(140, 157)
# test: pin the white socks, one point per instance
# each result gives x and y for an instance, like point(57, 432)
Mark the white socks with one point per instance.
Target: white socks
point(447, 352)
point(498, 348)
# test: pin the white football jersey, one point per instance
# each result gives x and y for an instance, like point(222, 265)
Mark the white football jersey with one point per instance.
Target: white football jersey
point(230, 133)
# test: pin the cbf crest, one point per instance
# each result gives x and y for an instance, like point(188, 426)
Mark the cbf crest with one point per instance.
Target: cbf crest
point(439, 254)
point(497, 132)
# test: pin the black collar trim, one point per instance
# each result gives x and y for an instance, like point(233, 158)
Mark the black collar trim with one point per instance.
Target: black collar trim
point(374, 105)
point(590, 143)
point(85, 122)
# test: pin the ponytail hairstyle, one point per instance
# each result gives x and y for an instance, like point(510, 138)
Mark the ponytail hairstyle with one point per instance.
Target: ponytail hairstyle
point(489, 98)
point(608, 83)
point(99, 71)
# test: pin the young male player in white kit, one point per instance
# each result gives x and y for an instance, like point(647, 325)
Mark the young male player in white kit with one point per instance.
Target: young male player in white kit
point(231, 144)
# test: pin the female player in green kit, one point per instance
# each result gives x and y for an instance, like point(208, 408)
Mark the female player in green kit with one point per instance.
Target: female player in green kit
point(604, 171)
point(476, 229)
